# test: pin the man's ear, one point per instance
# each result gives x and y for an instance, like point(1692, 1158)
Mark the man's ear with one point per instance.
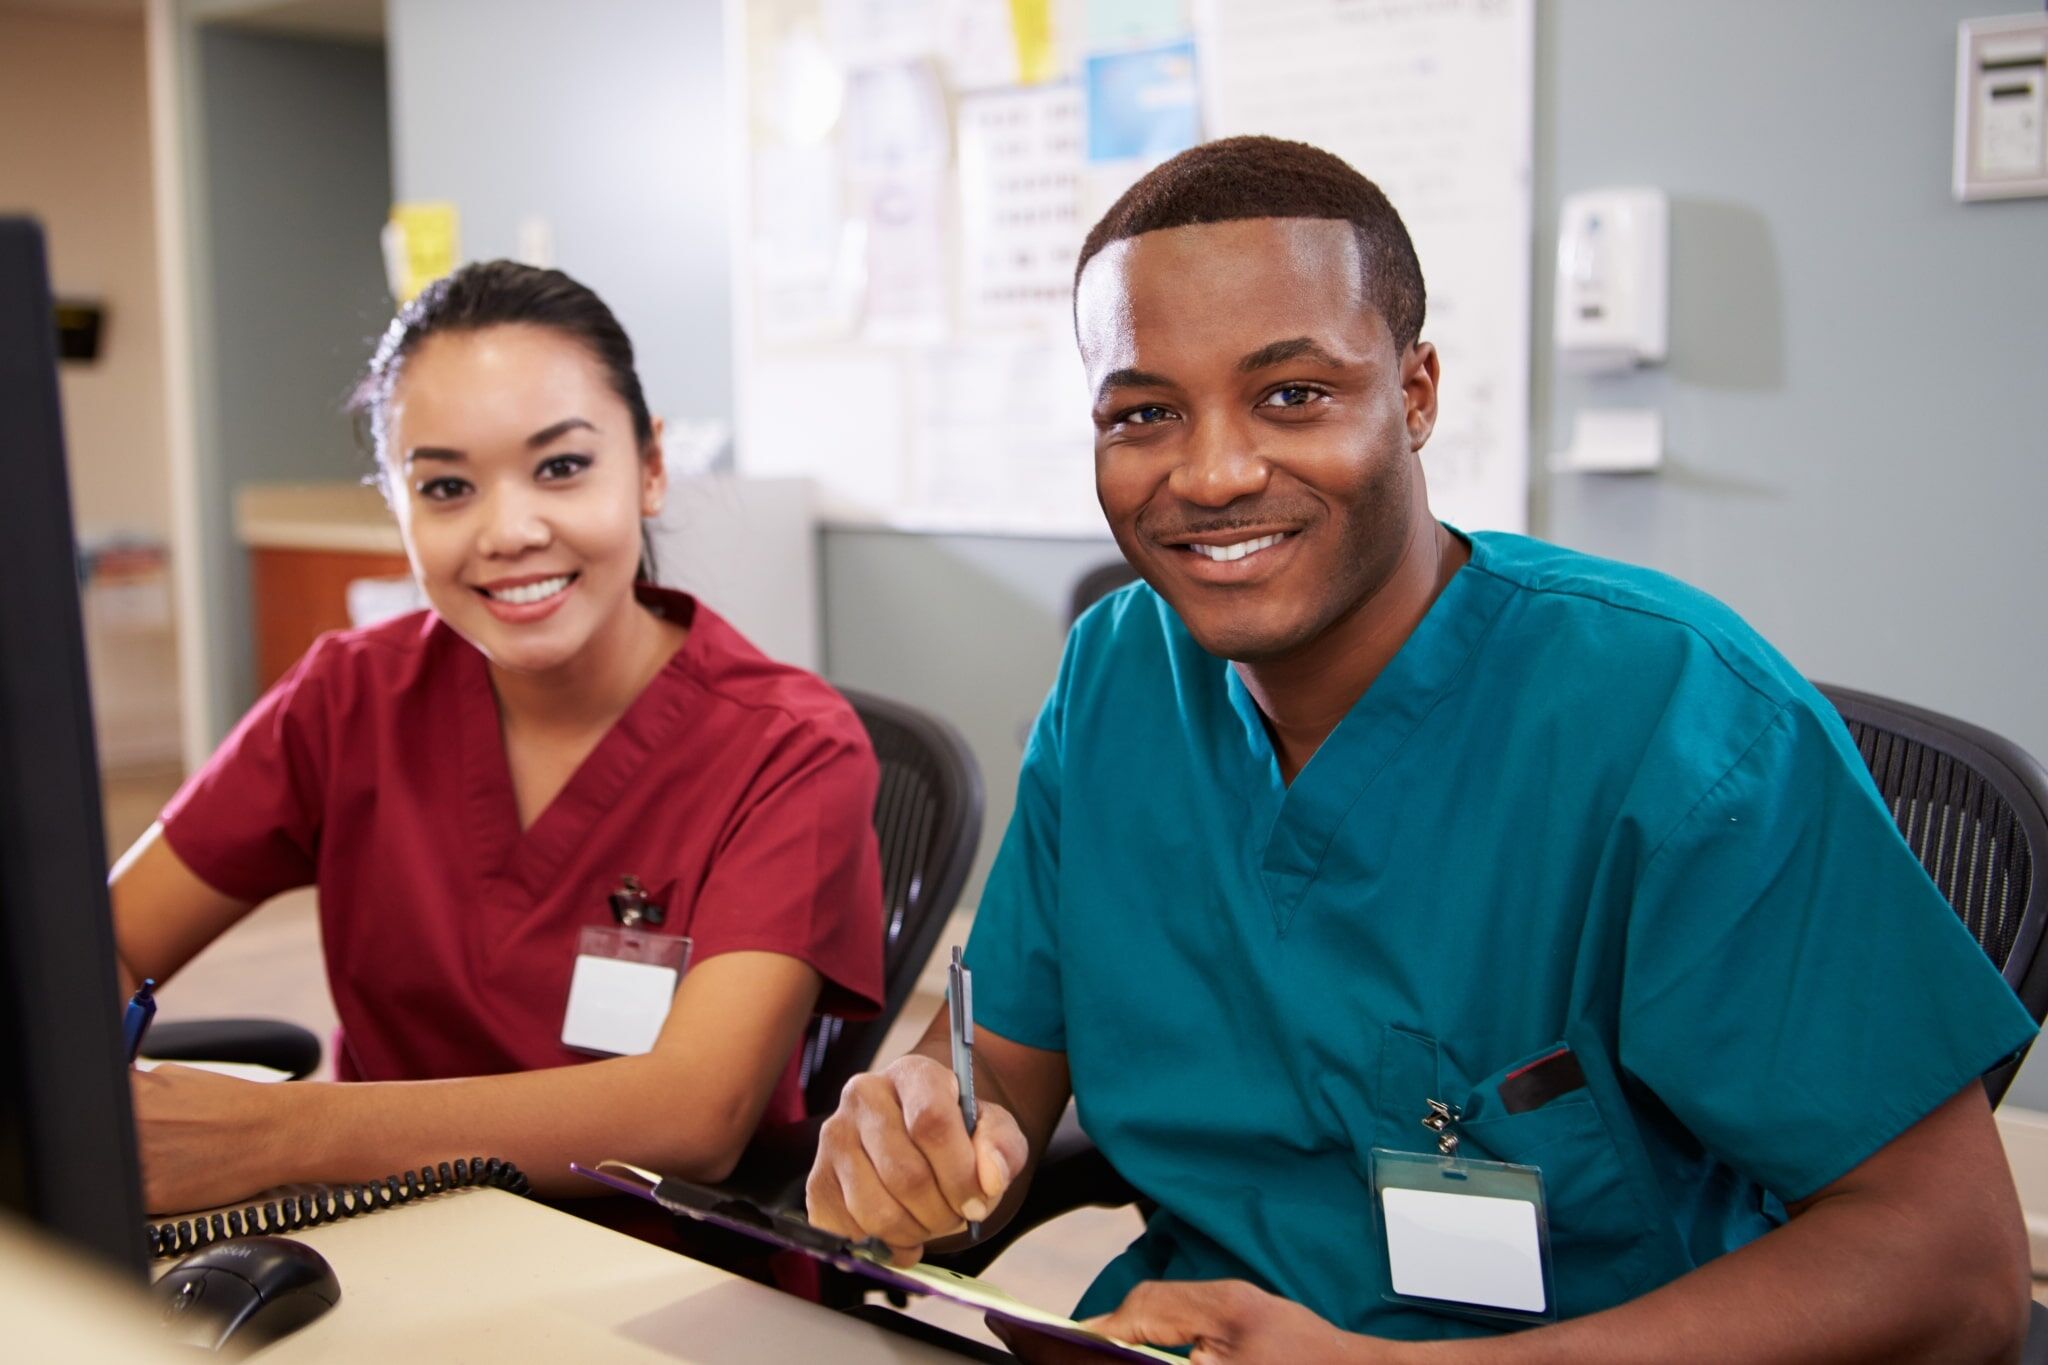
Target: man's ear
point(653, 476)
point(1420, 374)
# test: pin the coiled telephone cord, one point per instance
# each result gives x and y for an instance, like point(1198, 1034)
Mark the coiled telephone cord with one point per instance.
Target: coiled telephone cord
point(330, 1204)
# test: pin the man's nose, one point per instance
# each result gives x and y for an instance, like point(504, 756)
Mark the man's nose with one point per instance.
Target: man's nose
point(1222, 464)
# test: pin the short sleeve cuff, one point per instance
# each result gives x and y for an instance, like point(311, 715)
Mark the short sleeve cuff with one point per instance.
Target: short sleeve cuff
point(839, 992)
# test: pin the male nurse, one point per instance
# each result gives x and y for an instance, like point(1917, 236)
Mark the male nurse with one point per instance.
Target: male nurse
point(1344, 818)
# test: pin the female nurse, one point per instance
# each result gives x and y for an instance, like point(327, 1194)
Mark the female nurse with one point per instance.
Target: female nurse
point(468, 787)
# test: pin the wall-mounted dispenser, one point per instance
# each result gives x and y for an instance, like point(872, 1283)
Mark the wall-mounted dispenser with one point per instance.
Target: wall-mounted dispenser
point(1613, 280)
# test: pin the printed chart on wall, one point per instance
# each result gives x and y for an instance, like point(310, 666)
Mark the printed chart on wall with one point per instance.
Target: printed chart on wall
point(918, 176)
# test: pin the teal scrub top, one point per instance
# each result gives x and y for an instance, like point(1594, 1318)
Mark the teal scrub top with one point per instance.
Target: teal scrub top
point(1583, 805)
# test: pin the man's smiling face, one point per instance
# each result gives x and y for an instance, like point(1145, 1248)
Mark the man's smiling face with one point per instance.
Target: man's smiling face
point(1256, 429)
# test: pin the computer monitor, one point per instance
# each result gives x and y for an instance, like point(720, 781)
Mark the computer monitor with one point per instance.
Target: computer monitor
point(67, 1138)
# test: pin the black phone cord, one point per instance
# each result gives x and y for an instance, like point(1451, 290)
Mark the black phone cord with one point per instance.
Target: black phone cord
point(330, 1204)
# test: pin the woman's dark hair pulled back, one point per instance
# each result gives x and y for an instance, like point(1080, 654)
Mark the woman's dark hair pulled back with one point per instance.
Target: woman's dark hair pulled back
point(500, 294)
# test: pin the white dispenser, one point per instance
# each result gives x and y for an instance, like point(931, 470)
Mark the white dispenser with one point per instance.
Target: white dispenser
point(1613, 280)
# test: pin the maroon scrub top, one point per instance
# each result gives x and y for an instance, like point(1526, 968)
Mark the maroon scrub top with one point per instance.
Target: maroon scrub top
point(738, 790)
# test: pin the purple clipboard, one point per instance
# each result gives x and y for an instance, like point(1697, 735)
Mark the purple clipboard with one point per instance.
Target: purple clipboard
point(791, 1233)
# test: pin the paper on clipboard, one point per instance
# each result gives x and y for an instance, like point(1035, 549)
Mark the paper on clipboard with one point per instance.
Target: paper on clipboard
point(869, 1259)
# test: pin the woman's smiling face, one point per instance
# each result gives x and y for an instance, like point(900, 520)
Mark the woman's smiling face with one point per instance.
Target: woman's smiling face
point(519, 487)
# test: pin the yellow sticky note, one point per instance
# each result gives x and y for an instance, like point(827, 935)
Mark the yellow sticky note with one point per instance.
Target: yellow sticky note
point(1031, 22)
point(421, 244)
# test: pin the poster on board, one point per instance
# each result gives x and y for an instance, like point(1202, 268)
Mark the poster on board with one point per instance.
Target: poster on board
point(920, 175)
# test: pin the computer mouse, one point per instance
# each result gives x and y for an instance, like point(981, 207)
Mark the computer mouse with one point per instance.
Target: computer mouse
point(249, 1291)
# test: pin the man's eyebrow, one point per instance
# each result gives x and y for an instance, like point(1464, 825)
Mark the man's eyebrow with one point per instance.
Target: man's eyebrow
point(561, 428)
point(1280, 352)
point(1128, 378)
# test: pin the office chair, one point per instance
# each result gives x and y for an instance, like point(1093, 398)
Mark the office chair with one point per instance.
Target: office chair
point(928, 824)
point(1972, 805)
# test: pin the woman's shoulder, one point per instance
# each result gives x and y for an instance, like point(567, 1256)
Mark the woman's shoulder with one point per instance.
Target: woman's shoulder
point(771, 693)
point(384, 658)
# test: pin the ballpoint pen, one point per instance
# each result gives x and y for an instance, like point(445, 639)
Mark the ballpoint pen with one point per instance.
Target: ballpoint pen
point(960, 1016)
point(135, 1021)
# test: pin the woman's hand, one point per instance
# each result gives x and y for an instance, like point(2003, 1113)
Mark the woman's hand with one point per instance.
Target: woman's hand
point(206, 1139)
point(1228, 1322)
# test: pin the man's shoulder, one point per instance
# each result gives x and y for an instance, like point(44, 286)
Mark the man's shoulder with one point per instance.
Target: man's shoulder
point(1624, 620)
point(756, 691)
point(1130, 634)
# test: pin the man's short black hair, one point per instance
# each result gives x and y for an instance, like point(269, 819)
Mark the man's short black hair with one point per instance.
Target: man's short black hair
point(1264, 177)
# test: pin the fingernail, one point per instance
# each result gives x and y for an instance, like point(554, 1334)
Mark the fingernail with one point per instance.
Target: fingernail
point(975, 1209)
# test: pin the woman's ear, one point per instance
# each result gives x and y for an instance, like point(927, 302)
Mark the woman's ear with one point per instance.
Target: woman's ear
point(653, 476)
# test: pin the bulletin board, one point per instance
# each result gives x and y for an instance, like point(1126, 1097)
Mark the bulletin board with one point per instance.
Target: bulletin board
point(916, 177)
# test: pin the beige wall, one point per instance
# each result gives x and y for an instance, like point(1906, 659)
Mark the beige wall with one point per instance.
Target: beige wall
point(74, 152)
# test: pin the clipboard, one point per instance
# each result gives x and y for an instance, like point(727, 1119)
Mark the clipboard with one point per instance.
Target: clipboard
point(868, 1257)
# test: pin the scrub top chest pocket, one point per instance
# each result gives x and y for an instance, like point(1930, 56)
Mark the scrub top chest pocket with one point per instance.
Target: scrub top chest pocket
point(1547, 1110)
point(625, 977)
point(1559, 1111)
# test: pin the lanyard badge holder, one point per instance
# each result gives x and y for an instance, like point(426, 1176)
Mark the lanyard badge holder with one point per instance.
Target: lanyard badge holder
point(1463, 1236)
point(625, 978)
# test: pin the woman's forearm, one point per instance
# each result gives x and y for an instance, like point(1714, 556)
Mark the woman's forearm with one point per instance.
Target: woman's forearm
point(649, 1110)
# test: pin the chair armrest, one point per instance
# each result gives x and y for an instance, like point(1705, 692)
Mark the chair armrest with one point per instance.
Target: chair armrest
point(265, 1042)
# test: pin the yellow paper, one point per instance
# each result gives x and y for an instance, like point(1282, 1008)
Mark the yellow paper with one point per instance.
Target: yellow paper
point(421, 244)
point(1031, 21)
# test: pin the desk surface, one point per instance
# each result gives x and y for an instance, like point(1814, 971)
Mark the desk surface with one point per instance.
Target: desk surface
point(480, 1275)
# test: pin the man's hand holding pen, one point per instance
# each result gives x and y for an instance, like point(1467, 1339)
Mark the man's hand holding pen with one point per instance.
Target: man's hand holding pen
point(896, 1161)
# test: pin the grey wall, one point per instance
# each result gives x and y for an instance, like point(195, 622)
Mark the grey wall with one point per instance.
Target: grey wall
point(967, 626)
point(606, 119)
point(293, 182)
point(1855, 398)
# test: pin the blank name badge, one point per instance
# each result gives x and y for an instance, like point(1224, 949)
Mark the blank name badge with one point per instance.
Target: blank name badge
point(1464, 1236)
point(619, 995)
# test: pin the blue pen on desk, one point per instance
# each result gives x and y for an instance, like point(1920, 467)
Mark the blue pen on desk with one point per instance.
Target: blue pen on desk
point(960, 1016)
point(135, 1022)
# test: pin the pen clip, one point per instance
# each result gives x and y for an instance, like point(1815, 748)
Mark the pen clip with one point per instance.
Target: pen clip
point(960, 1018)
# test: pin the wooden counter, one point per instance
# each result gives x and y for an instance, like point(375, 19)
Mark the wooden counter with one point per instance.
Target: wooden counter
point(307, 543)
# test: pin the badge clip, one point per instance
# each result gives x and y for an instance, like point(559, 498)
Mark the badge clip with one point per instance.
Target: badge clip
point(631, 908)
point(1442, 1119)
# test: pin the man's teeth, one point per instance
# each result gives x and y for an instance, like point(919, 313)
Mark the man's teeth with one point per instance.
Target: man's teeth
point(529, 593)
point(1223, 554)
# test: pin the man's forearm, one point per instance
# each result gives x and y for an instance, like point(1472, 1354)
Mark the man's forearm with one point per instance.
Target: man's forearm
point(1851, 1279)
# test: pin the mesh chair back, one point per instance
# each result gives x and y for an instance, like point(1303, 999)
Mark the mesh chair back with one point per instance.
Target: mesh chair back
point(928, 823)
point(1974, 807)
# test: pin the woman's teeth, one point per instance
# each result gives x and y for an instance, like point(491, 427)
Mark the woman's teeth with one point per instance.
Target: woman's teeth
point(528, 593)
point(1223, 554)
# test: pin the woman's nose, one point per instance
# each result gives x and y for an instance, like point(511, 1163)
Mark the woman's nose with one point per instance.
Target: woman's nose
point(512, 526)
